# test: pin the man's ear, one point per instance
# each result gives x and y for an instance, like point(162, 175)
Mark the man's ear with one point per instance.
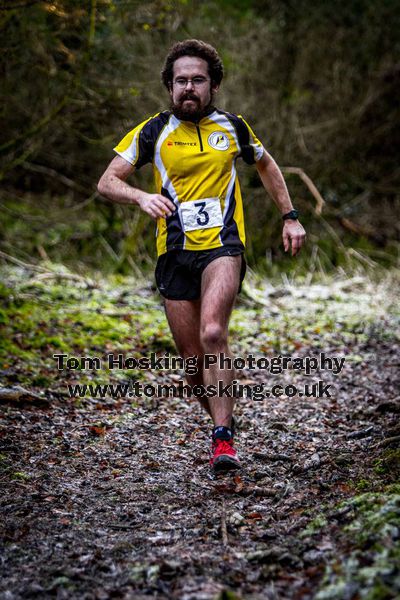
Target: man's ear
point(214, 88)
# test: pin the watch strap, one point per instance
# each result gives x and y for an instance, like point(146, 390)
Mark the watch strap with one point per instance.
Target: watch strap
point(293, 214)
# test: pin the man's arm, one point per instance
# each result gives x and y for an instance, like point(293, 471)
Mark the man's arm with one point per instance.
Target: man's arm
point(112, 185)
point(274, 183)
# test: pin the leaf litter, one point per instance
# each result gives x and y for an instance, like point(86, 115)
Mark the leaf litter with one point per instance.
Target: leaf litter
point(113, 497)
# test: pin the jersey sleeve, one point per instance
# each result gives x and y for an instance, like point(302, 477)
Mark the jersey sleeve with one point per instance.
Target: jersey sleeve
point(252, 149)
point(137, 147)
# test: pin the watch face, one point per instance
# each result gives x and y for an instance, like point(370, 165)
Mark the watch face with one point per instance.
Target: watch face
point(293, 214)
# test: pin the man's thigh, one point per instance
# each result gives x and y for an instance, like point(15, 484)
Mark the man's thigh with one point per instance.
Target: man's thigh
point(219, 287)
point(184, 321)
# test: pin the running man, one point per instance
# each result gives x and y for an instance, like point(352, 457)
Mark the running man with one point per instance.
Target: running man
point(198, 209)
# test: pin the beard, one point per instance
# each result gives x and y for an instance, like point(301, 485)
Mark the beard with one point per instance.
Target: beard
point(192, 112)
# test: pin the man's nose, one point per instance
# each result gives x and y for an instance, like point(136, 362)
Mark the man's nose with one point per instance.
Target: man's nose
point(189, 83)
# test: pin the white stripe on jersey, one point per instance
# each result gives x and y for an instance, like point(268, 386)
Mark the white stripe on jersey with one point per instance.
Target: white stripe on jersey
point(222, 121)
point(131, 153)
point(173, 123)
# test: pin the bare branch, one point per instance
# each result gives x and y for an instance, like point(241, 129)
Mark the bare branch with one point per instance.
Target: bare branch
point(20, 263)
point(309, 183)
point(54, 174)
point(224, 530)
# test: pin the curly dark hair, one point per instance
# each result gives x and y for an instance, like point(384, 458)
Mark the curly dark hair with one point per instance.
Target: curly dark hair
point(193, 48)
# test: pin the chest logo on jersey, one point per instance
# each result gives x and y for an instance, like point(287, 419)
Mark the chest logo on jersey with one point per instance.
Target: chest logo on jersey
point(218, 140)
point(169, 143)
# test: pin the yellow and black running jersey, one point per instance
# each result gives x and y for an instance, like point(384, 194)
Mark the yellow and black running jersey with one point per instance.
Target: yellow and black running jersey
point(195, 166)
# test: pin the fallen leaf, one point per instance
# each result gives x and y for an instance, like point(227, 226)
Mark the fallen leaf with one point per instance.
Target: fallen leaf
point(256, 516)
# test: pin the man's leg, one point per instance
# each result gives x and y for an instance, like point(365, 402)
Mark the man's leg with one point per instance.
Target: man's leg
point(184, 321)
point(220, 284)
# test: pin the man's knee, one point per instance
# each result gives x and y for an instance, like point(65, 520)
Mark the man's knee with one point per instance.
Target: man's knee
point(213, 337)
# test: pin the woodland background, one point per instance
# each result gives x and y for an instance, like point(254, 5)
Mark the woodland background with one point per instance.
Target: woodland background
point(318, 81)
point(104, 495)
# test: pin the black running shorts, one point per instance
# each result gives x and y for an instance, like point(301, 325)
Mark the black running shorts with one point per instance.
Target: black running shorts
point(178, 272)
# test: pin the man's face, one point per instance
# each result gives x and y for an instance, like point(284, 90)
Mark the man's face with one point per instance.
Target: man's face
point(190, 99)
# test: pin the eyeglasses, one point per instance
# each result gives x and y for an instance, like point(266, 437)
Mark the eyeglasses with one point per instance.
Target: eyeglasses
point(182, 82)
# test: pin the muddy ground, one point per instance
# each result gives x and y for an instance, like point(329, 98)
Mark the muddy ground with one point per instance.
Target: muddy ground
point(114, 498)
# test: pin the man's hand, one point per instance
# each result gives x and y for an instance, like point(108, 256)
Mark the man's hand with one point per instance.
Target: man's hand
point(293, 233)
point(156, 205)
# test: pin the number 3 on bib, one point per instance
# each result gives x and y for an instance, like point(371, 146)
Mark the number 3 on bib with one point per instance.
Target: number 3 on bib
point(201, 214)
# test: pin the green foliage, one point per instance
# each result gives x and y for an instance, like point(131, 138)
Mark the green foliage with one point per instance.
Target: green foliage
point(56, 317)
point(315, 526)
point(388, 463)
point(318, 81)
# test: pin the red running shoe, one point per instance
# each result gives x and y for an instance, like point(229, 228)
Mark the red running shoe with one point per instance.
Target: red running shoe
point(224, 456)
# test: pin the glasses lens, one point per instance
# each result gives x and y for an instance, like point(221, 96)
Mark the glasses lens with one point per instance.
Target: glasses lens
point(196, 81)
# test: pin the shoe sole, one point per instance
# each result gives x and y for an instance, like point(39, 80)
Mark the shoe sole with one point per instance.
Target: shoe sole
point(225, 463)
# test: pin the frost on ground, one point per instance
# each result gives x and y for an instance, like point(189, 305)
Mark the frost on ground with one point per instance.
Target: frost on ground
point(113, 497)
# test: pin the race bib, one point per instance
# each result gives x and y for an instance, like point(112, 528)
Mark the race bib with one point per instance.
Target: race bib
point(201, 214)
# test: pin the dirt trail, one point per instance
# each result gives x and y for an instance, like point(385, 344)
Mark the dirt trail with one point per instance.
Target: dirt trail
point(105, 499)
point(134, 510)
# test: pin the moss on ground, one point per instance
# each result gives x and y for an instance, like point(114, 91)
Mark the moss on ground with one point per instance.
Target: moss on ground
point(63, 313)
point(42, 319)
point(389, 462)
point(371, 570)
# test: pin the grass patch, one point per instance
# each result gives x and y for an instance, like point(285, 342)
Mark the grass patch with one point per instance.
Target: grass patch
point(60, 312)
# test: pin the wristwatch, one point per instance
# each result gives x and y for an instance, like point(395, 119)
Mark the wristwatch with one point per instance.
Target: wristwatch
point(293, 214)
